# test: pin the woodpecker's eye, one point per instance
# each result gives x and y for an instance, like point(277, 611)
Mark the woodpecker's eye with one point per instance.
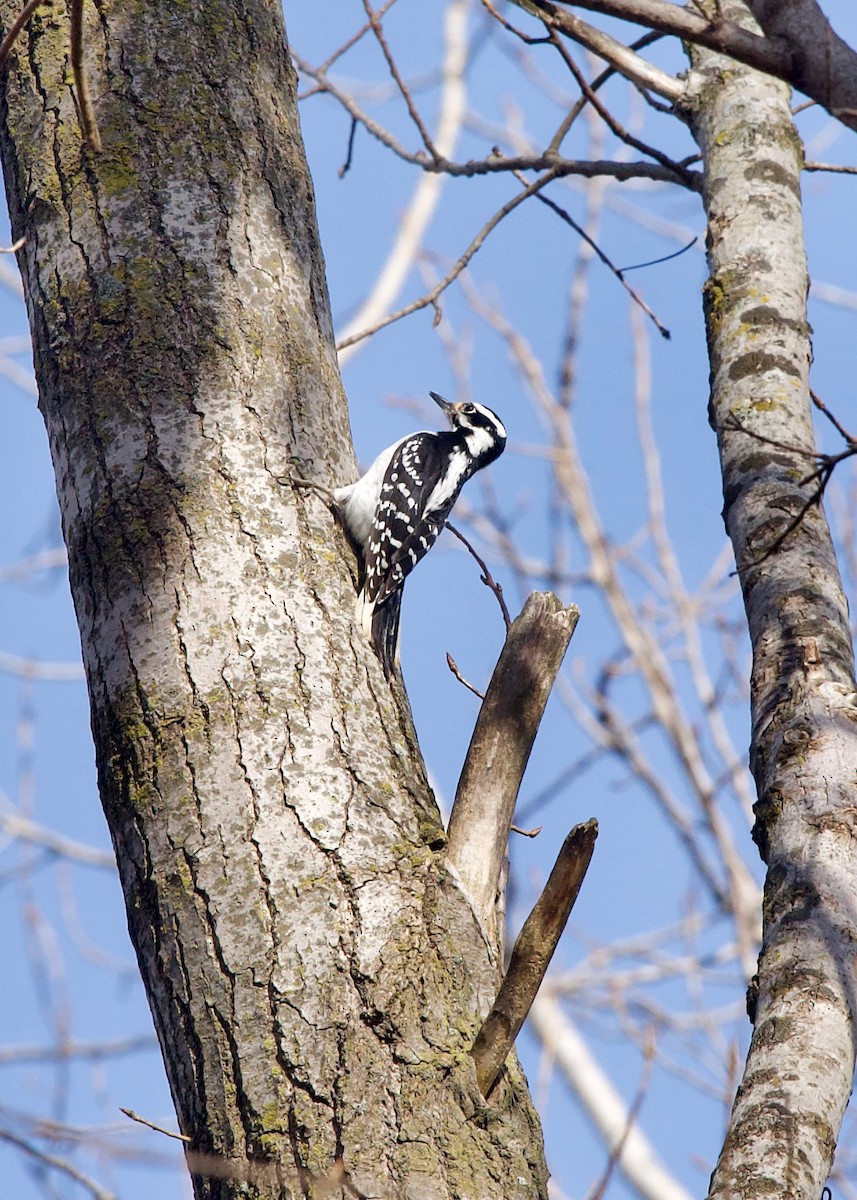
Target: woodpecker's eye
point(468, 409)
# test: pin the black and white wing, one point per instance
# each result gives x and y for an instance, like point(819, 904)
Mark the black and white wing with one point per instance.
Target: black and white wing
point(416, 497)
point(417, 494)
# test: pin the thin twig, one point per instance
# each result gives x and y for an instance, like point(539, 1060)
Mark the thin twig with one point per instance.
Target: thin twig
point(837, 425)
point(531, 955)
point(654, 262)
point(15, 826)
point(431, 297)
point(453, 666)
point(607, 117)
point(375, 22)
point(346, 166)
point(487, 578)
point(823, 471)
point(528, 833)
point(414, 220)
point(91, 136)
point(633, 1112)
point(621, 57)
point(586, 168)
point(355, 38)
point(608, 73)
point(16, 27)
point(15, 247)
point(180, 1137)
point(581, 232)
point(832, 168)
point(59, 1164)
point(63, 1053)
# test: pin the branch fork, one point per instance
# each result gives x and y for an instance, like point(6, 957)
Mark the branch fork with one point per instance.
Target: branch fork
point(482, 817)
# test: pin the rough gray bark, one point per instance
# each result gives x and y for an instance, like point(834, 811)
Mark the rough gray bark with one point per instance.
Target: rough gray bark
point(797, 1080)
point(315, 977)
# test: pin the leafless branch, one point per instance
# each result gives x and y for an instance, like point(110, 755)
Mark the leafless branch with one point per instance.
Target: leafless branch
point(486, 576)
point(33, 668)
point(633, 1112)
point(610, 121)
point(831, 168)
point(531, 955)
point(415, 219)
point(13, 31)
point(638, 1161)
point(527, 833)
point(825, 465)
point(92, 1051)
point(431, 297)
point(622, 58)
point(180, 1137)
point(581, 232)
point(81, 82)
point(501, 744)
point(548, 160)
point(58, 1164)
point(665, 17)
point(375, 22)
point(453, 666)
point(12, 825)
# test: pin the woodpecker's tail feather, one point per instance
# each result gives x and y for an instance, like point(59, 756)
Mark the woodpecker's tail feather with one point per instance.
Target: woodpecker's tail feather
point(385, 633)
point(380, 624)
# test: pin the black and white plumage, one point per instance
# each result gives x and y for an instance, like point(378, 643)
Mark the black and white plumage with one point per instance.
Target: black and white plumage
point(397, 509)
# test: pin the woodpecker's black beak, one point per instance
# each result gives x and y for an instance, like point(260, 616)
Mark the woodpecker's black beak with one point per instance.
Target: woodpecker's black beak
point(447, 407)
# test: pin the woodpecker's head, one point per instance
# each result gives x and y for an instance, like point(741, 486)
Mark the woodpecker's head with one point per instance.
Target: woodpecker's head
point(483, 431)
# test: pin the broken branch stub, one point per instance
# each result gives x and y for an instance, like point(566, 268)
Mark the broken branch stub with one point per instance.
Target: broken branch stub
point(501, 743)
point(531, 955)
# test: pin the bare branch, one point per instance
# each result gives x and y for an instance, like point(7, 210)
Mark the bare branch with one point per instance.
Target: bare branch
point(621, 57)
point(607, 117)
point(531, 955)
point(375, 22)
point(430, 298)
point(13, 31)
point(453, 666)
point(415, 220)
point(501, 744)
point(93, 1051)
point(14, 826)
point(527, 833)
point(724, 36)
point(635, 296)
point(58, 1164)
point(633, 1113)
point(638, 1161)
point(832, 168)
point(180, 1137)
point(84, 97)
point(548, 160)
point(33, 668)
point(487, 578)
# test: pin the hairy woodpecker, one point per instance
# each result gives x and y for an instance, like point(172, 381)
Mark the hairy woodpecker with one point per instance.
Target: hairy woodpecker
point(397, 509)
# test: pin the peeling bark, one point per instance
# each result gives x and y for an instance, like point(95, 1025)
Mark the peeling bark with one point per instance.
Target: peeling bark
point(790, 1103)
point(315, 978)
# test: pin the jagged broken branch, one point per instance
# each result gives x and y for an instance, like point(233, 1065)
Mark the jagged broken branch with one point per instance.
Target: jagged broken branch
point(500, 747)
point(531, 955)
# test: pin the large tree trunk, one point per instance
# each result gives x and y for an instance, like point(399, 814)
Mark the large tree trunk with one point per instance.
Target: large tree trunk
point(796, 1084)
point(316, 979)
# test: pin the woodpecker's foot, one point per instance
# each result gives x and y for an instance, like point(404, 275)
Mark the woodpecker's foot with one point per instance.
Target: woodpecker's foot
point(296, 481)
